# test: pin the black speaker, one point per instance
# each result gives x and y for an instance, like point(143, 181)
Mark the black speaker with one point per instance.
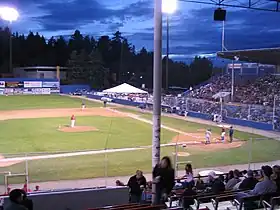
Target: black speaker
point(220, 14)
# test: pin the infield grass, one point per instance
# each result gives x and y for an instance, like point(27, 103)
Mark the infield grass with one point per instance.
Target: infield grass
point(41, 134)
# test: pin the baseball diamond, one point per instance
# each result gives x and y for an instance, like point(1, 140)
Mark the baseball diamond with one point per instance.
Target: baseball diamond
point(35, 129)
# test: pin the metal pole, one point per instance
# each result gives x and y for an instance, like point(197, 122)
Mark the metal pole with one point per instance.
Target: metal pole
point(176, 159)
point(221, 101)
point(11, 49)
point(274, 110)
point(223, 36)
point(26, 174)
point(232, 81)
point(167, 49)
point(249, 113)
point(250, 153)
point(157, 84)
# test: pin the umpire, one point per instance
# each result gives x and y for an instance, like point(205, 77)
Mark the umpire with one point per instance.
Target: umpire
point(231, 134)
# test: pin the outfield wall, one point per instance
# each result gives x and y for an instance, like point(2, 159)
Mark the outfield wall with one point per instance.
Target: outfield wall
point(66, 89)
point(26, 86)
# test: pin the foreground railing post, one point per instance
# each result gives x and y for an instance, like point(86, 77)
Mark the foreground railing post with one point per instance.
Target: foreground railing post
point(157, 85)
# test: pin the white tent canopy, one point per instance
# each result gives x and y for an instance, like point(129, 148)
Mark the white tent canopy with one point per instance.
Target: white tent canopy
point(125, 88)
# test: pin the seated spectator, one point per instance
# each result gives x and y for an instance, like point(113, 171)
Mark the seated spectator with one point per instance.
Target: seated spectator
point(187, 200)
point(136, 184)
point(37, 188)
point(233, 181)
point(229, 176)
point(119, 183)
point(249, 182)
point(199, 184)
point(263, 187)
point(27, 203)
point(267, 185)
point(215, 184)
point(276, 176)
point(188, 177)
point(16, 198)
point(244, 174)
point(222, 178)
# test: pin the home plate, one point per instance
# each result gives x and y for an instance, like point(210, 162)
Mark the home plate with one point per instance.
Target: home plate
point(182, 154)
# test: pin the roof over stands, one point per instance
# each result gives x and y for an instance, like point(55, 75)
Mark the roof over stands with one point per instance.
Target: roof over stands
point(124, 88)
point(263, 56)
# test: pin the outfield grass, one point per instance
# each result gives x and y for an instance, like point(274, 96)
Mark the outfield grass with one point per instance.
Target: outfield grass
point(126, 163)
point(41, 134)
point(18, 102)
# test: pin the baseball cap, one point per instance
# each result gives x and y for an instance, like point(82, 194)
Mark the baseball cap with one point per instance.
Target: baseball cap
point(212, 174)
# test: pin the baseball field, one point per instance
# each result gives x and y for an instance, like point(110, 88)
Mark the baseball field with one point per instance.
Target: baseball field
point(36, 129)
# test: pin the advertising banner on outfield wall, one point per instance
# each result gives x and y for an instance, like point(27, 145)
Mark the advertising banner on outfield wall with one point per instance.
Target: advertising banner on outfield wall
point(50, 85)
point(9, 91)
point(13, 84)
point(37, 91)
point(55, 90)
point(2, 84)
point(27, 91)
point(18, 91)
point(32, 84)
point(2, 91)
point(46, 91)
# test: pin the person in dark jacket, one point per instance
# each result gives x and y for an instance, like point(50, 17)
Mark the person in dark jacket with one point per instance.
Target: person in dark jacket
point(27, 203)
point(188, 200)
point(216, 185)
point(248, 183)
point(136, 184)
point(16, 198)
point(163, 176)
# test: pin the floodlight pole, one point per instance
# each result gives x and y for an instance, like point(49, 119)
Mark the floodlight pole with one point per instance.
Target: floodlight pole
point(167, 50)
point(221, 103)
point(232, 81)
point(11, 47)
point(157, 85)
point(273, 113)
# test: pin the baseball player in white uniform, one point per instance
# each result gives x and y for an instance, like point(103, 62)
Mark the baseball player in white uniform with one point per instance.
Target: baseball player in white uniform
point(208, 136)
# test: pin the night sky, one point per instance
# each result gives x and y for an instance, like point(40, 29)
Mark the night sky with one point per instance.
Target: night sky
point(192, 30)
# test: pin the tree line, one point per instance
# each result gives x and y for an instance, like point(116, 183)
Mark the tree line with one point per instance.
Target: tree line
point(101, 62)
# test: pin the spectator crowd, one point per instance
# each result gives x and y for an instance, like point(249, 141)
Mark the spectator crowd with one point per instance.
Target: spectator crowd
point(243, 183)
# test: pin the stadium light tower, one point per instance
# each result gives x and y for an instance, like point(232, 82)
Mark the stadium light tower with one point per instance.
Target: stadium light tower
point(9, 14)
point(236, 58)
point(168, 7)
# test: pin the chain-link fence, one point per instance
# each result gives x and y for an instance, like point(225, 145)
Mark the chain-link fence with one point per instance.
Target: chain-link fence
point(46, 170)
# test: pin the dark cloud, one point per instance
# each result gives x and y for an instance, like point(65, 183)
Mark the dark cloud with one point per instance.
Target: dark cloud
point(197, 32)
point(70, 15)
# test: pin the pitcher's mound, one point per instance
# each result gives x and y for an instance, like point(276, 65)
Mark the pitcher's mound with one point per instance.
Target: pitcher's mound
point(182, 154)
point(68, 129)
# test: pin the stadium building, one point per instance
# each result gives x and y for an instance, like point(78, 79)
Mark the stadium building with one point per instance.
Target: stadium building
point(41, 72)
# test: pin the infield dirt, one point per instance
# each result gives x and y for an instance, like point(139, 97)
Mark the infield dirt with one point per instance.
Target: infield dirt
point(44, 113)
